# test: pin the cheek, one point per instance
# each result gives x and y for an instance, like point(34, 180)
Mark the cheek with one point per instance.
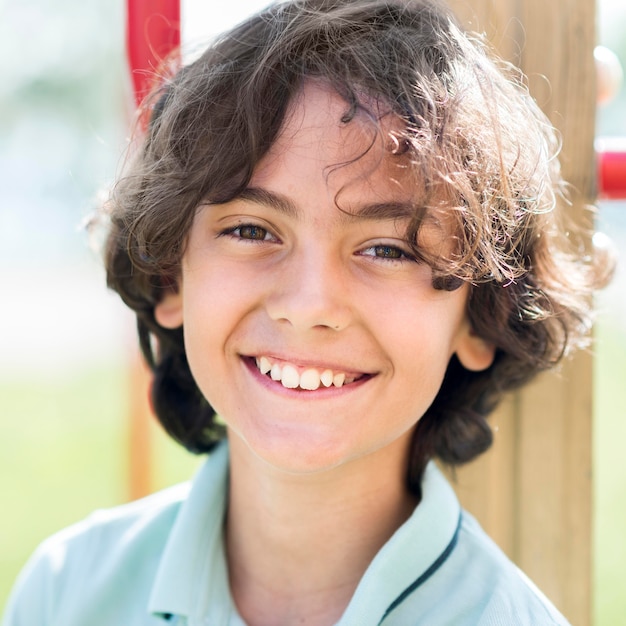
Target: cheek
point(211, 296)
point(207, 314)
point(217, 304)
point(424, 339)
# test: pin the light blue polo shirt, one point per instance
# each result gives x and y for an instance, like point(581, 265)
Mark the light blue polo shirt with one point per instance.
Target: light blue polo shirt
point(160, 561)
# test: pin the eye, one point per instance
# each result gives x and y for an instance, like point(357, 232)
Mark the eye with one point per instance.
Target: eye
point(249, 232)
point(388, 252)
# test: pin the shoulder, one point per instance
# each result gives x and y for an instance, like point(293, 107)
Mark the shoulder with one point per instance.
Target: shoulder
point(440, 568)
point(114, 535)
point(473, 583)
point(97, 556)
point(505, 594)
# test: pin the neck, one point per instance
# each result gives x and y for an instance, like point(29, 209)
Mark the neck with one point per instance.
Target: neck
point(297, 545)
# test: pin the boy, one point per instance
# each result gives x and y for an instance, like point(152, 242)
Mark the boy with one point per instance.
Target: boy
point(340, 235)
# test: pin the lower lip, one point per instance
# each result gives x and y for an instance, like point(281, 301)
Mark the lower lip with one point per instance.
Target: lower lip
point(320, 392)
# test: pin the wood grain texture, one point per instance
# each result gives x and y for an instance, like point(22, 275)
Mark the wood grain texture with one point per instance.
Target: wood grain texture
point(533, 491)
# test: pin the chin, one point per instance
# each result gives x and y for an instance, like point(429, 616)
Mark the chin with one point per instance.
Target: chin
point(304, 454)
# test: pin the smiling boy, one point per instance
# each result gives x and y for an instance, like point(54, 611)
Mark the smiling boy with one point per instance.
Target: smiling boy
point(287, 278)
point(340, 234)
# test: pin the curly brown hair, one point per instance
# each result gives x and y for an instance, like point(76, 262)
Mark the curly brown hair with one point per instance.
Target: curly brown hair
point(474, 136)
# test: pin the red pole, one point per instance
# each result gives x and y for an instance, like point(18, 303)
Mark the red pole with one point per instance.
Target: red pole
point(153, 33)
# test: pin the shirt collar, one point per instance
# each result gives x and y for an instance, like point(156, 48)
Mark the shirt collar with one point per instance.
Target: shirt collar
point(192, 577)
point(413, 553)
point(192, 573)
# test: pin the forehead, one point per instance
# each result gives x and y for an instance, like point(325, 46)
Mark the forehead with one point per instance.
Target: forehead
point(352, 149)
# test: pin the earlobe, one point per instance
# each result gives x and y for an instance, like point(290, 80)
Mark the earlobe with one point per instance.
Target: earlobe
point(474, 353)
point(168, 312)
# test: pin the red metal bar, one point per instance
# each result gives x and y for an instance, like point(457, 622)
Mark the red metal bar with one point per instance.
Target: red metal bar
point(611, 156)
point(153, 33)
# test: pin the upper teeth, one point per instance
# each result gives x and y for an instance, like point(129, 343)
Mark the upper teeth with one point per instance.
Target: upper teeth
point(310, 378)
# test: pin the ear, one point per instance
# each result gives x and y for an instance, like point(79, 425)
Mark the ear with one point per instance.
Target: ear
point(168, 312)
point(474, 353)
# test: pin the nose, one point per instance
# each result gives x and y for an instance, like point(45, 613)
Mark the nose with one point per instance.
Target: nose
point(310, 290)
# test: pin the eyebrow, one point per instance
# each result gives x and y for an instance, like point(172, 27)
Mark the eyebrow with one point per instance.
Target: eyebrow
point(391, 210)
point(272, 199)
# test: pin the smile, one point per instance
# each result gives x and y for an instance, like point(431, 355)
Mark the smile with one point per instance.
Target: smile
point(292, 377)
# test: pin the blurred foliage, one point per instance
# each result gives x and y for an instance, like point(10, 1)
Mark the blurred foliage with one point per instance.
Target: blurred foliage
point(64, 453)
point(64, 111)
point(611, 29)
point(610, 483)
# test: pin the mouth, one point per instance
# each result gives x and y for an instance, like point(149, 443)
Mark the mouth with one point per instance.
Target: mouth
point(292, 376)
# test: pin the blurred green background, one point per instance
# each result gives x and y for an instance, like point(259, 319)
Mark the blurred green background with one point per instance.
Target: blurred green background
point(66, 344)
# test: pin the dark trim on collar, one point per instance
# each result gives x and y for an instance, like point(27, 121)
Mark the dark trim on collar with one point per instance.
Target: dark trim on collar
point(426, 575)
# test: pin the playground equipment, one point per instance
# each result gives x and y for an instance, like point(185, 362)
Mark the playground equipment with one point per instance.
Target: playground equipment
point(611, 156)
point(611, 152)
point(154, 33)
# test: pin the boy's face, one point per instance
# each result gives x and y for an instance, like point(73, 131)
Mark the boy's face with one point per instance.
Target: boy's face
point(281, 278)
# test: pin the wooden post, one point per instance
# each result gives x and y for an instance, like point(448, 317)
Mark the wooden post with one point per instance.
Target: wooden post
point(532, 492)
